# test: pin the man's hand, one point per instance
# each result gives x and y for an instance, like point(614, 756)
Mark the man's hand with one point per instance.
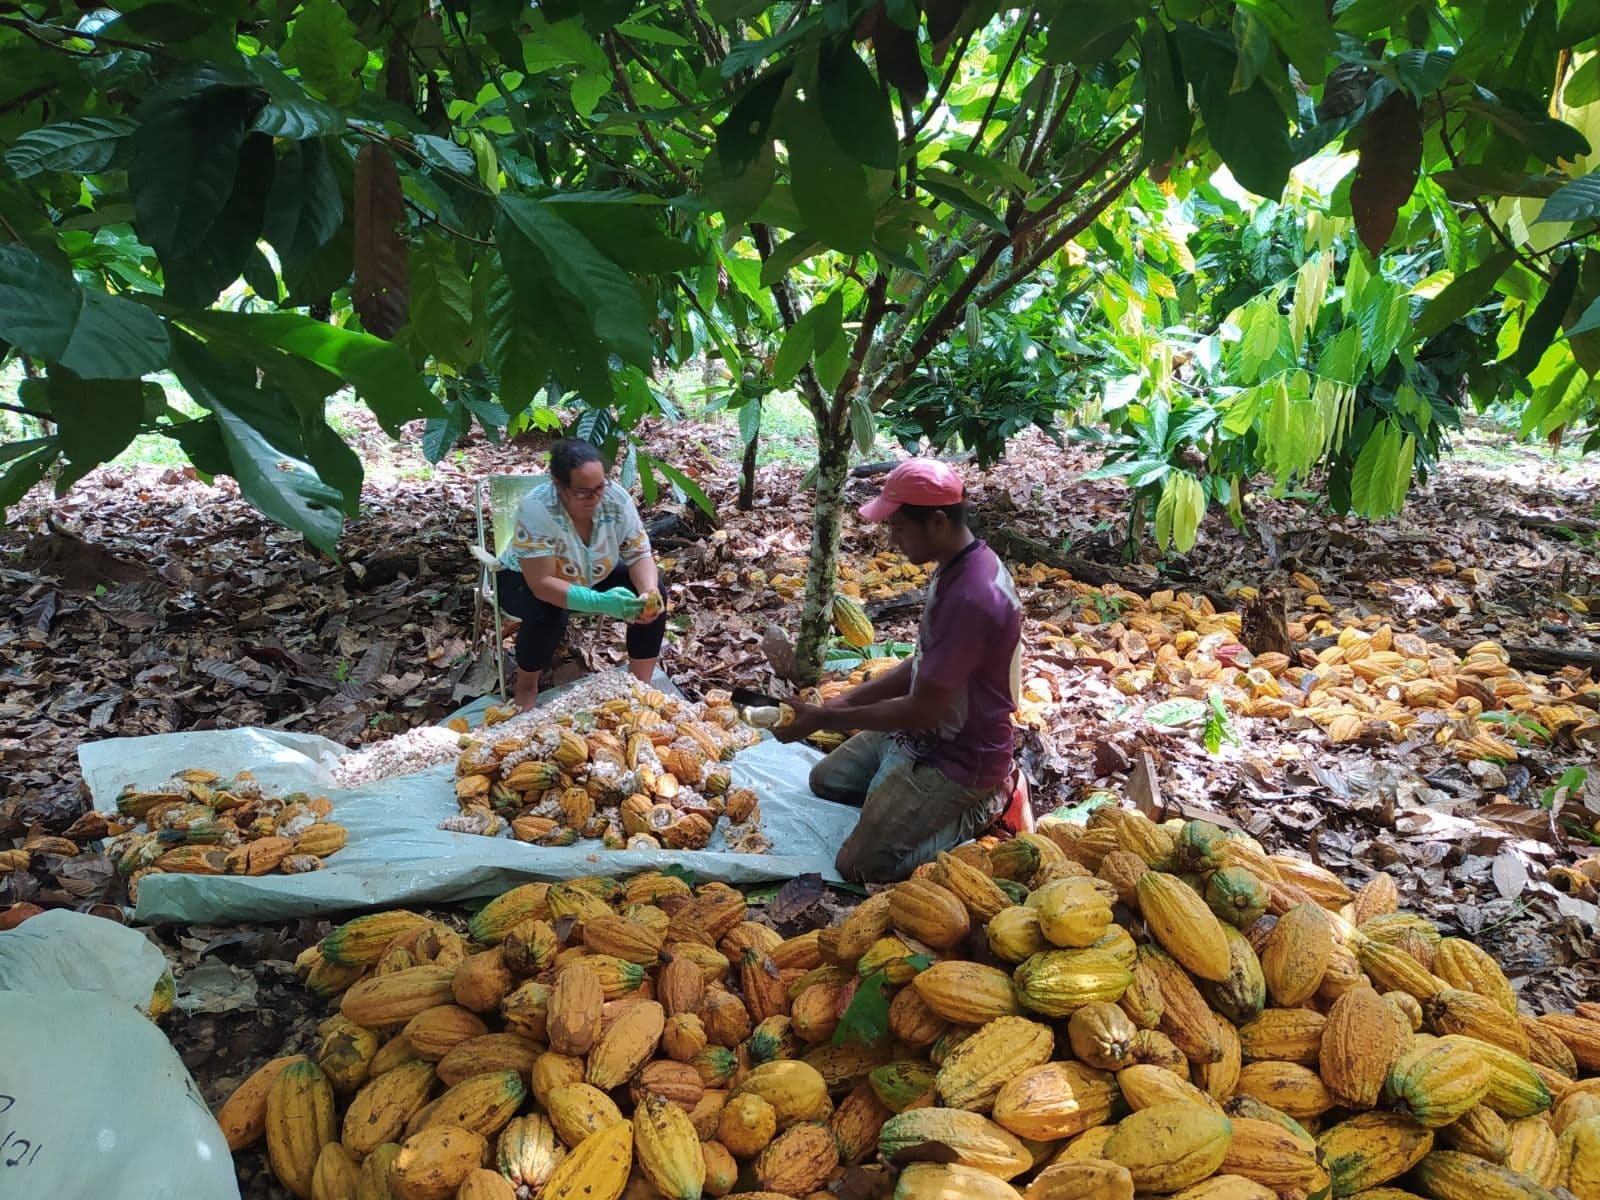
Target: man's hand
point(808, 719)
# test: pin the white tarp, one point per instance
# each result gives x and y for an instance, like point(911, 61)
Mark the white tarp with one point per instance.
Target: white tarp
point(397, 855)
point(94, 1101)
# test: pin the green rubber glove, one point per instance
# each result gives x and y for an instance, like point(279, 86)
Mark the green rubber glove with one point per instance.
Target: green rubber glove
point(617, 602)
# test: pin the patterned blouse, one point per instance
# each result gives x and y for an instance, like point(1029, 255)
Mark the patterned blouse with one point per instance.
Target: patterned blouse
point(544, 530)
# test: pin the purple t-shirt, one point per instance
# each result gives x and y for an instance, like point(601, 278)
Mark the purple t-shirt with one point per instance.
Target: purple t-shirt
point(971, 640)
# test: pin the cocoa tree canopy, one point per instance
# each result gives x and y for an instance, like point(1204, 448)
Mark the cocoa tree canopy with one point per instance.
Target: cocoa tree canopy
point(467, 211)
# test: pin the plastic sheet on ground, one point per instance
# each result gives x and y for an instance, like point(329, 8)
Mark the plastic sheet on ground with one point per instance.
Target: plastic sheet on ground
point(97, 1102)
point(397, 855)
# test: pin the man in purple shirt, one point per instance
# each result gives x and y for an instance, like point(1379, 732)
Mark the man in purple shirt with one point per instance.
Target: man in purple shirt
point(930, 767)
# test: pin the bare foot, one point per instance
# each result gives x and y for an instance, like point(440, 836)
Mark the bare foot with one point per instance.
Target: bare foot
point(526, 694)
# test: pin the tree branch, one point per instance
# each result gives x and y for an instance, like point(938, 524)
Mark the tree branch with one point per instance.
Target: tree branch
point(709, 41)
point(433, 219)
point(28, 97)
point(649, 139)
point(877, 293)
point(666, 85)
point(789, 310)
point(938, 96)
point(1113, 189)
point(1042, 145)
point(1064, 196)
point(1500, 235)
point(999, 85)
point(28, 412)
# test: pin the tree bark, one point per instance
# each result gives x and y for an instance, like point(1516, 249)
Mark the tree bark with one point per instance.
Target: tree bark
point(816, 616)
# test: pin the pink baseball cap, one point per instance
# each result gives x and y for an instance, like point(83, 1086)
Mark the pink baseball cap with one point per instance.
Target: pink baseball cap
point(917, 481)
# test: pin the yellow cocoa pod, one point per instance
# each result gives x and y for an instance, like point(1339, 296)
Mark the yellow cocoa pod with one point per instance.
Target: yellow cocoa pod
point(795, 1090)
point(1451, 1175)
point(1480, 1131)
point(1171, 1146)
point(1266, 1153)
point(1226, 1187)
point(1284, 1035)
point(982, 896)
point(1288, 1087)
point(974, 1071)
point(1101, 1035)
point(299, 1123)
point(1087, 1179)
point(1360, 1042)
point(932, 914)
point(1055, 1100)
point(1452, 1010)
point(1578, 1152)
point(596, 1169)
point(1014, 934)
point(1057, 983)
point(1532, 1150)
point(1436, 1082)
point(336, 1175)
point(668, 1149)
point(481, 1104)
point(243, 1115)
point(1516, 1089)
point(1369, 1149)
point(432, 1164)
point(527, 1152)
point(1296, 954)
point(626, 1046)
point(799, 1160)
point(1072, 913)
point(1145, 1086)
point(976, 1141)
point(1186, 928)
point(577, 1111)
point(934, 1181)
point(484, 1184)
point(380, 1110)
point(1464, 965)
point(967, 992)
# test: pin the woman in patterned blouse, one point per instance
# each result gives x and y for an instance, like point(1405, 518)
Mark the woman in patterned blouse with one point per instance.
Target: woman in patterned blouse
point(579, 546)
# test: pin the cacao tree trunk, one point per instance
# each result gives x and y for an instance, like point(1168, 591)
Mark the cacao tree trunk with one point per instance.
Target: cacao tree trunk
point(816, 620)
point(747, 476)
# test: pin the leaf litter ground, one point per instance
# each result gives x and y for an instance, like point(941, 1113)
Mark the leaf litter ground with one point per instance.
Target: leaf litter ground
point(146, 601)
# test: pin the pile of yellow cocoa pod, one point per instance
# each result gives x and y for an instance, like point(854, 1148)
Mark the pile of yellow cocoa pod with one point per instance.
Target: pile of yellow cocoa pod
point(1373, 684)
point(1089, 1012)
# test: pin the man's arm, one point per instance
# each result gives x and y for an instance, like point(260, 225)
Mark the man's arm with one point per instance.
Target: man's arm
point(921, 708)
point(892, 683)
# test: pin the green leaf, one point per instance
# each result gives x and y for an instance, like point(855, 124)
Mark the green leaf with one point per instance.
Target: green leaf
point(1301, 27)
point(515, 352)
point(1168, 121)
point(185, 160)
point(604, 289)
point(1549, 140)
point(441, 302)
point(829, 186)
point(95, 420)
point(962, 196)
point(1545, 321)
point(1588, 321)
point(1577, 201)
point(750, 420)
point(1583, 85)
point(20, 477)
point(1461, 295)
point(48, 314)
point(284, 489)
point(686, 485)
point(444, 153)
point(305, 208)
point(323, 47)
point(379, 371)
point(866, 1019)
point(292, 113)
point(1247, 128)
point(196, 272)
point(996, 170)
point(87, 145)
point(1078, 27)
point(1168, 713)
point(856, 110)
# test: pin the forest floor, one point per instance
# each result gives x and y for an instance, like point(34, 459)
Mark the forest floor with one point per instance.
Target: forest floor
point(146, 601)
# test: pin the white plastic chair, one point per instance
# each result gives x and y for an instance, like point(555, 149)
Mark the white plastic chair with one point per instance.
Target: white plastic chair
point(505, 494)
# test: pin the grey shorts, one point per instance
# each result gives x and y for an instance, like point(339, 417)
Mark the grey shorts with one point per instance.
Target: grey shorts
point(909, 811)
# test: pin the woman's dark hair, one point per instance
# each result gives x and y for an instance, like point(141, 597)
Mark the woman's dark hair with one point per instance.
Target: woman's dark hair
point(922, 513)
point(568, 455)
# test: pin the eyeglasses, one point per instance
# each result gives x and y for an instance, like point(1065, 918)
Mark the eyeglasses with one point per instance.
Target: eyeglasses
point(588, 493)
